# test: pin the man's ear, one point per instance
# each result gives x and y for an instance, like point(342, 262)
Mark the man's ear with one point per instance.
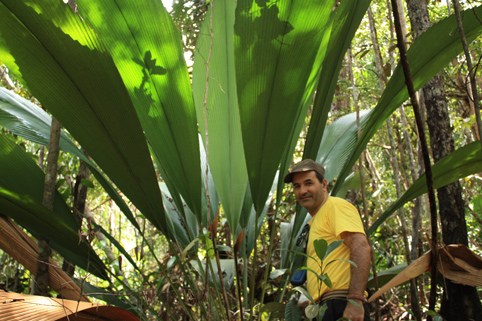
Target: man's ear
point(325, 185)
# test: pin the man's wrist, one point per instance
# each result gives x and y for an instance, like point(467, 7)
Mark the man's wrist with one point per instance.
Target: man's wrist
point(359, 297)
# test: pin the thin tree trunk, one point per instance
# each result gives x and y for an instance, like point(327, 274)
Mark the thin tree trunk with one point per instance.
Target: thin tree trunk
point(403, 23)
point(362, 177)
point(382, 82)
point(415, 302)
point(41, 159)
point(459, 302)
point(417, 222)
point(472, 79)
point(426, 156)
point(416, 219)
point(44, 251)
point(80, 196)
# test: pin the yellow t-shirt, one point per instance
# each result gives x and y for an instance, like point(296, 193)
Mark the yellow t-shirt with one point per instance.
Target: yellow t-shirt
point(335, 217)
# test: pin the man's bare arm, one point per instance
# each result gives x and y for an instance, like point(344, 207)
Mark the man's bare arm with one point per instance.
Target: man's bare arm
point(360, 254)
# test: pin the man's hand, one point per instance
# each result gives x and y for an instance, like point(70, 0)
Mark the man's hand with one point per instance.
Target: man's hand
point(303, 302)
point(353, 312)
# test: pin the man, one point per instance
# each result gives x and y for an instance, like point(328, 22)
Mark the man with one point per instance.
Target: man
point(333, 219)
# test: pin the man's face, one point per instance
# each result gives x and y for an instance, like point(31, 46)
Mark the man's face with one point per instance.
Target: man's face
point(310, 193)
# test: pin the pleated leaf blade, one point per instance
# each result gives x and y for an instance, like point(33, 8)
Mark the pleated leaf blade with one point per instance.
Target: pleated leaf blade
point(347, 18)
point(63, 63)
point(146, 48)
point(225, 148)
point(30, 122)
point(275, 47)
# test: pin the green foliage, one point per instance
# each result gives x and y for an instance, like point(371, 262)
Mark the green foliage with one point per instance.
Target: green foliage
point(451, 168)
point(322, 250)
point(117, 80)
point(292, 312)
point(425, 59)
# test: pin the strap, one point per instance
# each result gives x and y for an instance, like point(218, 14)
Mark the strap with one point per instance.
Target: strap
point(335, 294)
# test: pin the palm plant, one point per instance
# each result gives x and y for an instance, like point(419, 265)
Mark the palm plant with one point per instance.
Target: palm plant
point(116, 78)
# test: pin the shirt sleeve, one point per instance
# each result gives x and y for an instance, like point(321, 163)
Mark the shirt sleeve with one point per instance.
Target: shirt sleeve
point(346, 219)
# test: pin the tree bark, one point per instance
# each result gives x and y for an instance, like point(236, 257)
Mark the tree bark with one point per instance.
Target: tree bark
point(403, 23)
point(459, 302)
point(80, 196)
point(44, 250)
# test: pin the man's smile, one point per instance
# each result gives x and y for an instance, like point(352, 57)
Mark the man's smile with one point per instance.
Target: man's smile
point(305, 197)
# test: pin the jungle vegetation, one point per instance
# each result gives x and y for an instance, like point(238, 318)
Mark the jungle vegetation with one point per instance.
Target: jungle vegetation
point(174, 127)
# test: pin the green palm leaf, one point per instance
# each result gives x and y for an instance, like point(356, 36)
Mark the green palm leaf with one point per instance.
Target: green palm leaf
point(21, 193)
point(30, 122)
point(347, 18)
point(304, 105)
point(38, 220)
point(51, 50)
point(20, 173)
point(213, 194)
point(270, 38)
point(433, 50)
point(146, 48)
point(226, 154)
point(338, 141)
point(461, 163)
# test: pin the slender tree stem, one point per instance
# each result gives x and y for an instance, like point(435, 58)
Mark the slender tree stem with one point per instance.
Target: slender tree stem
point(362, 177)
point(473, 82)
point(417, 311)
point(426, 156)
point(44, 250)
point(382, 80)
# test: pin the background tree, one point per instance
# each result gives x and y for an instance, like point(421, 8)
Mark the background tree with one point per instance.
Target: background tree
point(458, 301)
